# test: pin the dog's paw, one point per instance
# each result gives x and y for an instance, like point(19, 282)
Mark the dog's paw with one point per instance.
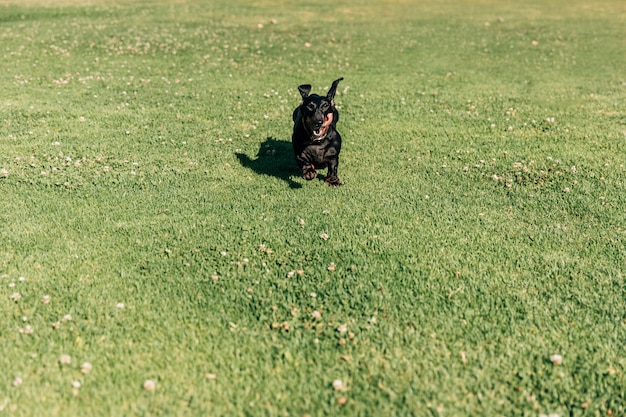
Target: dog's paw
point(333, 181)
point(309, 173)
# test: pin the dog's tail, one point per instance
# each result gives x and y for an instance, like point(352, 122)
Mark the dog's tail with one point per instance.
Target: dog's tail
point(333, 90)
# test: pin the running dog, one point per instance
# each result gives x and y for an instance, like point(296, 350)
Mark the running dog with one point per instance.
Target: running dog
point(316, 141)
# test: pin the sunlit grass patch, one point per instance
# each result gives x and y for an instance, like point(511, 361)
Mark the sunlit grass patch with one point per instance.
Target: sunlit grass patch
point(162, 255)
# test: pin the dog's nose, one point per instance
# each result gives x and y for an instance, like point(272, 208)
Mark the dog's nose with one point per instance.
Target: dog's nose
point(319, 123)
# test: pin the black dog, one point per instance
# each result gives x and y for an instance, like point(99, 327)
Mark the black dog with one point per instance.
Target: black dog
point(316, 142)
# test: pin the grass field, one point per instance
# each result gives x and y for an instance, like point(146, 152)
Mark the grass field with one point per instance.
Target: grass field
point(154, 226)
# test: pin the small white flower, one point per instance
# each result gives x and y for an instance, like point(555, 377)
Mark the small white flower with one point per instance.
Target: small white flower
point(16, 296)
point(65, 359)
point(342, 328)
point(67, 317)
point(17, 381)
point(316, 314)
point(76, 384)
point(210, 376)
point(149, 385)
point(373, 320)
point(324, 236)
point(85, 368)
point(28, 329)
point(331, 267)
point(119, 305)
point(338, 385)
point(291, 274)
point(4, 172)
point(556, 359)
point(46, 299)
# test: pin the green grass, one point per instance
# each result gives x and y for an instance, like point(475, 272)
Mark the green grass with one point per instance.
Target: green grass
point(146, 160)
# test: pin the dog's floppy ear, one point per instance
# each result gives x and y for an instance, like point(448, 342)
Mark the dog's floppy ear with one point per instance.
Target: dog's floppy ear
point(304, 90)
point(333, 90)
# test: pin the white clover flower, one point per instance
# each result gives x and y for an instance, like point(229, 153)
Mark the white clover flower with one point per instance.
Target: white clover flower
point(556, 359)
point(16, 296)
point(149, 385)
point(65, 359)
point(17, 381)
point(338, 385)
point(46, 299)
point(76, 384)
point(85, 368)
point(342, 328)
point(316, 315)
point(324, 236)
point(119, 305)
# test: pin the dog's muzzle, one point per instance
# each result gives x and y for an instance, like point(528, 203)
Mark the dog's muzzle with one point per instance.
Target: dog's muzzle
point(320, 133)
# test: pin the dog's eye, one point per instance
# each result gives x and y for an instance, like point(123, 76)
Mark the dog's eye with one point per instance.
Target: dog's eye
point(324, 106)
point(310, 107)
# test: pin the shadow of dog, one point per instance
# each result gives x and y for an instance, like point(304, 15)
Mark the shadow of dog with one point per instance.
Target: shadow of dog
point(274, 159)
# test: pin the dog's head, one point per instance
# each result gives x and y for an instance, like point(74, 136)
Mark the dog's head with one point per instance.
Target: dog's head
point(318, 112)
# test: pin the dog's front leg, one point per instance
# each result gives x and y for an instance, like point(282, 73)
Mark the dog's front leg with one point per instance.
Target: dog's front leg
point(308, 169)
point(331, 177)
point(309, 172)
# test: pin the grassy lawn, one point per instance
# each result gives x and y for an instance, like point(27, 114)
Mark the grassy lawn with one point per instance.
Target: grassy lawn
point(154, 226)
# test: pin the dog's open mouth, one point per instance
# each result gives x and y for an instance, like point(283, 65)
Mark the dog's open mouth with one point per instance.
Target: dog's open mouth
point(320, 133)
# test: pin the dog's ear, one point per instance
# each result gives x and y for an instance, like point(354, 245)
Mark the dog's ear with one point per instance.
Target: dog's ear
point(304, 90)
point(333, 90)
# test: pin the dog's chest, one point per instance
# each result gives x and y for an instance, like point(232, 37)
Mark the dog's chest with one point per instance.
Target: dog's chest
point(320, 153)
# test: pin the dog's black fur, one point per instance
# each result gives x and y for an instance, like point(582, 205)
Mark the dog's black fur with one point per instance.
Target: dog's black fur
point(316, 141)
